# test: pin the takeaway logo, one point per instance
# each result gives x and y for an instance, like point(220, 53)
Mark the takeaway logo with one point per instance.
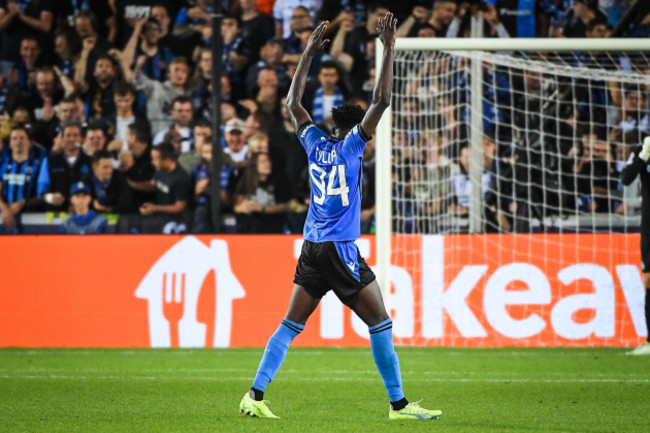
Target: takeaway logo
point(190, 291)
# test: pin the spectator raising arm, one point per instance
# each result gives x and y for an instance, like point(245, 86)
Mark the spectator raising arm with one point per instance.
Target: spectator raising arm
point(68, 85)
point(129, 50)
point(141, 81)
point(82, 64)
point(336, 51)
point(419, 15)
point(6, 17)
point(42, 24)
point(124, 62)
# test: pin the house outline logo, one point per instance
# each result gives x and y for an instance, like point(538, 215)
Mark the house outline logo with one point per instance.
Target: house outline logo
point(173, 285)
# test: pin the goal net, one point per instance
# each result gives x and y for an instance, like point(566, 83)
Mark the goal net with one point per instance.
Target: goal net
point(506, 210)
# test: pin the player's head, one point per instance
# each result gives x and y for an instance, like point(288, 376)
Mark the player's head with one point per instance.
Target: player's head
point(345, 117)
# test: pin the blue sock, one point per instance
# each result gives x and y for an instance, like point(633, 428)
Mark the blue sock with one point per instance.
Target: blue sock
point(381, 342)
point(275, 352)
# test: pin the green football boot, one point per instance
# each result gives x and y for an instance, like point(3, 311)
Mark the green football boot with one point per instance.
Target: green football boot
point(414, 411)
point(254, 408)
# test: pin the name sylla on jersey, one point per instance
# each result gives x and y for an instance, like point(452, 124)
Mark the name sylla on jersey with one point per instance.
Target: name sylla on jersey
point(325, 157)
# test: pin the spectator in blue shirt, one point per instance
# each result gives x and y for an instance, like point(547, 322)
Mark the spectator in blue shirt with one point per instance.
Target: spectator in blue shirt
point(19, 171)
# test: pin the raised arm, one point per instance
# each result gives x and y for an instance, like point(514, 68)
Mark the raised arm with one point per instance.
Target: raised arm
point(131, 46)
point(297, 112)
point(386, 27)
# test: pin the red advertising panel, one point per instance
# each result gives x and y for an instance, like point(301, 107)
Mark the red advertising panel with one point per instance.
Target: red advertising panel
point(228, 291)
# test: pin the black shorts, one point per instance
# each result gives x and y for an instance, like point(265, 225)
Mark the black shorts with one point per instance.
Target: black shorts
point(333, 265)
point(645, 252)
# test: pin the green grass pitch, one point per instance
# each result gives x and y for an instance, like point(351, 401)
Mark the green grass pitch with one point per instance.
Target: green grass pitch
point(323, 390)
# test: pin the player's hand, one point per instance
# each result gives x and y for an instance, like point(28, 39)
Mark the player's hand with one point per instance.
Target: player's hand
point(387, 27)
point(645, 150)
point(316, 41)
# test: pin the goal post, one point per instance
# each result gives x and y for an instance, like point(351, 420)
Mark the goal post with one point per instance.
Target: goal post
point(439, 107)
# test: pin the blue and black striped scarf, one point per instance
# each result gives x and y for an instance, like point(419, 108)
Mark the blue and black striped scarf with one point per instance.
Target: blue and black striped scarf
point(317, 111)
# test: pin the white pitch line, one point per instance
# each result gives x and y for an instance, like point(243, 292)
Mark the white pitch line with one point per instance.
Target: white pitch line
point(613, 376)
point(323, 379)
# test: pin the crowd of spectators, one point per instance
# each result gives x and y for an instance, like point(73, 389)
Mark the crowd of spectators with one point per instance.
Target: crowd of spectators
point(106, 105)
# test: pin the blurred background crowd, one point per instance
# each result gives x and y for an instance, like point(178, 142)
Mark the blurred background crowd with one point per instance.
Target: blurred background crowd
point(106, 110)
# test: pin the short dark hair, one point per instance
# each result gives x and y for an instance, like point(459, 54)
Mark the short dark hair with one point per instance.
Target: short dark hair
point(105, 56)
point(22, 126)
point(203, 123)
point(73, 125)
point(101, 154)
point(141, 131)
point(181, 99)
point(182, 60)
point(346, 116)
point(30, 38)
point(231, 16)
point(96, 126)
point(90, 16)
point(123, 88)
point(161, 5)
point(166, 150)
point(328, 64)
point(70, 99)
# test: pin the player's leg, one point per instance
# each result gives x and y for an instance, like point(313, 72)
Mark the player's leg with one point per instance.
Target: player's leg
point(369, 306)
point(301, 306)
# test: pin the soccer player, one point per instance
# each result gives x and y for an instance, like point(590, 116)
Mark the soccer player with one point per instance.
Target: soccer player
point(329, 257)
point(638, 165)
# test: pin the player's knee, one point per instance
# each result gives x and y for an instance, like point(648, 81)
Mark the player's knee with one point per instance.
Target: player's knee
point(376, 320)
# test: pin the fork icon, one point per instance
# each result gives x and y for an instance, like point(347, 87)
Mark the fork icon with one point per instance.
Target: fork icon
point(173, 304)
